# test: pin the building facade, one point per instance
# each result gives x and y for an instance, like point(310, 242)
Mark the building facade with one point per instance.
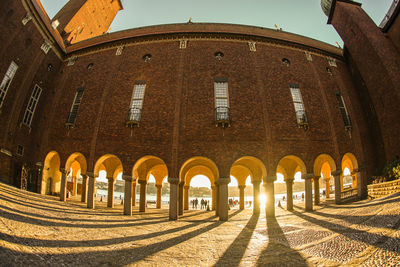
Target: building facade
point(196, 98)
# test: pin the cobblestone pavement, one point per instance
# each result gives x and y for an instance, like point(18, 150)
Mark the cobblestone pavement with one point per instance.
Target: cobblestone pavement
point(38, 230)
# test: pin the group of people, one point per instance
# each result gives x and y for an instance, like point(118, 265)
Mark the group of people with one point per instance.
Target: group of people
point(204, 204)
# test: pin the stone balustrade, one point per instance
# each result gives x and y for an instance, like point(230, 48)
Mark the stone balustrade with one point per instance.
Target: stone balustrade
point(384, 189)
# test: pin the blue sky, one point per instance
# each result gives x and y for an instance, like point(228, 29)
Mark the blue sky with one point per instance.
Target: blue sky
point(303, 17)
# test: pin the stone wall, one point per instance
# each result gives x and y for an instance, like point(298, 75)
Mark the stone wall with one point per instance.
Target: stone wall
point(383, 189)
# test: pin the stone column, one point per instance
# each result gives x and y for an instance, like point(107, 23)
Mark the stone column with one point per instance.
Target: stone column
point(269, 189)
point(63, 187)
point(223, 198)
point(90, 197)
point(84, 188)
point(241, 196)
point(289, 194)
point(361, 184)
point(336, 175)
point(127, 195)
point(180, 199)
point(308, 188)
point(133, 193)
point(217, 199)
point(74, 185)
point(186, 194)
point(110, 192)
point(142, 201)
point(214, 197)
point(158, 203)
point(316, 190)
point(256, 196)
point(173, 198)
point(327, 187)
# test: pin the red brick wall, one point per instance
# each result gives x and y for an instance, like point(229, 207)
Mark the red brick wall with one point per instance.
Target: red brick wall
point(376, 59)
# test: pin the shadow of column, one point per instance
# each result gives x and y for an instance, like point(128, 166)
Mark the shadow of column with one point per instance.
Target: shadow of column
point(278, 251)
point(234, 254)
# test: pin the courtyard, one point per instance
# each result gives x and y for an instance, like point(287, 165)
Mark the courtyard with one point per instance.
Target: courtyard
point(39, 230)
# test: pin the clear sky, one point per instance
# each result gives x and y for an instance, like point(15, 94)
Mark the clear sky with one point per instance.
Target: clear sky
point(303, 17)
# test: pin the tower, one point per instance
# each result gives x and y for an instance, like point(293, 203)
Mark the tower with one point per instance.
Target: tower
point(83, 19)
point(374, 63)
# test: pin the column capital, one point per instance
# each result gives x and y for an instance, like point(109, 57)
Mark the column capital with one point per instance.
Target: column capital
point(186, 186)
point(84, 176)
point(144, 182)
point(355, 171)
point(172, 180)
point(242, 186)
point(270, 179)
point(289, 180)
point(63, 170)
point(110, 178)
point(316, 177)
point(223, 180)
point(127, 178)
point(159, 185)
point(181, 183)
point(258, 182)
point(336, 173)
point(307, 176)
point(90, 174)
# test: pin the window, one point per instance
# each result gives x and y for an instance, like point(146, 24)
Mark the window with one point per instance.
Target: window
point(343, 111)
point(221, 102)
point(5, 84)
point(298, 105)
point(75, 107)
point(136, 103)
point(30, 109)
point(20, 150)
point(119, 50)
point(308, 55)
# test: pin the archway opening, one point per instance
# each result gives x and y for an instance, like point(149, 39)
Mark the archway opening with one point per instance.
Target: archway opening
point(51, 176)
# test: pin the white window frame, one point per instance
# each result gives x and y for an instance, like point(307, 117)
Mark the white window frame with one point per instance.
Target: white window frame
point(298, 105)
point(137, 96)
point(6, 82)
point(216, 97)
point(342, 106)
point(331, 61)
point(32, 104)
point(77, 102)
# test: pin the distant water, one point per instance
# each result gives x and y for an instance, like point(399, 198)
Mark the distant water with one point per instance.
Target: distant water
point(165, 198)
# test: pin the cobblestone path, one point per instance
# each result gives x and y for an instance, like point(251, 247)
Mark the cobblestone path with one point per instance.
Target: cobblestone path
point(38, 230)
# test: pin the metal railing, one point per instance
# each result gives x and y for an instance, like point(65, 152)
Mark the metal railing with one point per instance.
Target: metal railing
point(133, 116)
point(71, 119)
point(222, 115)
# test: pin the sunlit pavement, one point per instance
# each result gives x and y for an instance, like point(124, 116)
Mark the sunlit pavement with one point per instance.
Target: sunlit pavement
point(40, 230)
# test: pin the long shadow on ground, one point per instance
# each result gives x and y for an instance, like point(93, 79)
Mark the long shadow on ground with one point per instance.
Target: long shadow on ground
point(278, 251)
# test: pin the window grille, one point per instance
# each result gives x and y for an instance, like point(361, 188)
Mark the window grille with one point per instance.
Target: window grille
point(343, 111)
point(298, 106)
point(20, 150)
point(32, 104)
point(135, 110)
point(222, 116)
point(5, 84)
point(75, 107)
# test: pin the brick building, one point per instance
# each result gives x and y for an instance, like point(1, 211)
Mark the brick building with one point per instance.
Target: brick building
point(183, 99)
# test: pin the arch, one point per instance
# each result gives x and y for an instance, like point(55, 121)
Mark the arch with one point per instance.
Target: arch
point(249, 165)
point(206, 167)
point(349, 161)
point(289, 165)
point(51, 176)
point(322, 164)
point(199, 170)
point(150, 165)
point(110, 163)
point(79, 158)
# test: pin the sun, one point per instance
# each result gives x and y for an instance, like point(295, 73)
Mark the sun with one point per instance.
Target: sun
point(263, 200)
